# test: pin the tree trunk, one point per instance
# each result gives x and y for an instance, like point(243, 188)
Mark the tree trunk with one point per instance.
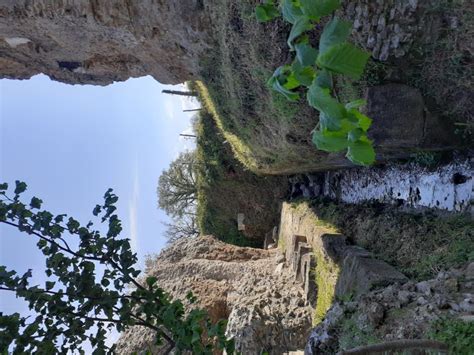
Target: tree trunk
point(182, 93)
point(397, 345)
point(195, 109)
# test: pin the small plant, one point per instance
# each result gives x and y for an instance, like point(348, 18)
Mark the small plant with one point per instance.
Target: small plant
point(428, 159)
point(341, 126)
point(457, 334)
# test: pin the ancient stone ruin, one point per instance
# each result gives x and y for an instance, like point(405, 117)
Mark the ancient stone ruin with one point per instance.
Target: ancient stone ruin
point(99, 42)
point(250, 287)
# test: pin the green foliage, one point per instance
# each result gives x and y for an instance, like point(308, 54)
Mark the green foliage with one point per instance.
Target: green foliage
point(283, 80)
point(344, 58)
point(85, 293)
point(351, 335)
point(266, 11)
point(427, 159)
point(177, 186)
point(315, 9)
point(340, 127)
point(457, 334)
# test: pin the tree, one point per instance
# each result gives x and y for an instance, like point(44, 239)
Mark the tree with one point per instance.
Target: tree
point(85, 294)
point(177, 189)
point(183, 227)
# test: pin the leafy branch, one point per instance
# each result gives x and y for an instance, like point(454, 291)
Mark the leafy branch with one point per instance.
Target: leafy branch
point(341, 126)
point(85, 293)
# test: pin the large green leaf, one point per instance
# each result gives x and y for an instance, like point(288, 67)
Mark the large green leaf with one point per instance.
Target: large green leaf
point(363, 121)
point(306, 54)
point(301, 25)
point(361, 153)
point(305, 75)
point(328, 123)
point(279, 80)
point(320, 98)
point(335, 32)
point(266, 12)
point(315, 9)
point(344, 58)
point(330, 141)
point(324, 79)
point(355, 104)
point(292, 81)
point(290, 11)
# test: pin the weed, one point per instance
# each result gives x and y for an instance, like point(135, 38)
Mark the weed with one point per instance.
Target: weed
point(351, 335)
point(457, 334)
point(313, 71)
point(426, 159)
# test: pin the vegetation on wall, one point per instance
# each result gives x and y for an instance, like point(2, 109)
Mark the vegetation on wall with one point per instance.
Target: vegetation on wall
point(340, 127)
point(456, 333)
point(418, 244)
point(225, 189)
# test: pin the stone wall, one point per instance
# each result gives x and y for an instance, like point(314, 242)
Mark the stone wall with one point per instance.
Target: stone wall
point(99, 42)
point(389, 28)
point(447, 187)
point(325, 262)
point(396, 312)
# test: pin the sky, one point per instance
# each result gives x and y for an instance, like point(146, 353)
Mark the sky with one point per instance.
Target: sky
point(70, 143)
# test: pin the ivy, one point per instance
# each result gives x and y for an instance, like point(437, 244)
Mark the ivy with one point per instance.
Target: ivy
point(77, 304)
point(341, 127)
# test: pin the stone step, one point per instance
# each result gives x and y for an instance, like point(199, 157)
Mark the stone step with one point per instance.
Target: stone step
point(308, 267)
point(303, 248)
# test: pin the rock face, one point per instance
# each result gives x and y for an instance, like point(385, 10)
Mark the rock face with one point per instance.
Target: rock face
point(400, 119)
point(389, 28)
point(250, 287)
point(447, 187)
point(98, 42)
point(395, 312)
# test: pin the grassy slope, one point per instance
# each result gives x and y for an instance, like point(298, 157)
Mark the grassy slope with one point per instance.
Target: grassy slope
point(271, 135)
point(226, 189)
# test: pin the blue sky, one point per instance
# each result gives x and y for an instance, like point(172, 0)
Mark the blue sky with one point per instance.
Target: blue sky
point(71, 143)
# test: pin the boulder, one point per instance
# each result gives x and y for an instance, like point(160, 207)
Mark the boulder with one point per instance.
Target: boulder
point(400, 120)
point(360, 273)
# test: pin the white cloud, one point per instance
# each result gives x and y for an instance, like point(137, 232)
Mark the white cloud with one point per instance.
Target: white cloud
point(169, 107)
point(132, 212)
